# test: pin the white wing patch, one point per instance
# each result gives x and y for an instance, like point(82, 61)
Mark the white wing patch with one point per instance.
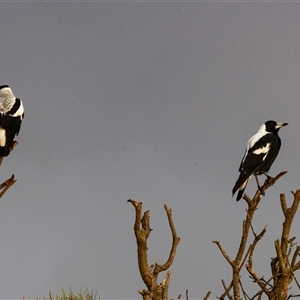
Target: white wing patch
point(255, 138)
point(2, 137)
point(263, 150)
point(20, 111)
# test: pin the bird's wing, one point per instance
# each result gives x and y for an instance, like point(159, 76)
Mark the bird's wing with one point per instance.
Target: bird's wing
point(256, 155)
point(12, 124)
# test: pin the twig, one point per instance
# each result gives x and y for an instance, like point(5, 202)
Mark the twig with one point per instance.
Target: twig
point(292, 296)
point(226, 256)
point(244, 292)
point(227, 290)
point(252, 247)
point(258, 280)
point(207, 295)
point(175, 241)
point(296, 253)
point(7, 184)
point(165, 286)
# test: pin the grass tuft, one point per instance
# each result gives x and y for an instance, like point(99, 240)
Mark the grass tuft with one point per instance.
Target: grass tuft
point(86, 295)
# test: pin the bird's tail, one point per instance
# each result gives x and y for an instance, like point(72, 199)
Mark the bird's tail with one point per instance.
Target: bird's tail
point(241, 185)
point(241, 191)
point(5, 150)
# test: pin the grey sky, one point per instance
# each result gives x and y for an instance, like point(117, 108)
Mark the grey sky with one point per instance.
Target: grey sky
point(151, 101)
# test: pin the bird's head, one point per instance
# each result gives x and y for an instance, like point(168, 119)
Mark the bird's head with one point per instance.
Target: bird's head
point(272, 126)
point(5, 90)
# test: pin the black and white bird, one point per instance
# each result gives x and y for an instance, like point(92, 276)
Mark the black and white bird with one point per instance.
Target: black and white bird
point(11, 116)
point(262, 149)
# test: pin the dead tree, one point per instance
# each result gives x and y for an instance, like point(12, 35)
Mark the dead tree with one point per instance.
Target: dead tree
point(283, 266)
point(149, 274)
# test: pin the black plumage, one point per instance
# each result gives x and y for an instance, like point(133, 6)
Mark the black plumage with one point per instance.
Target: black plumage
point(262, 150)
point(11, 116)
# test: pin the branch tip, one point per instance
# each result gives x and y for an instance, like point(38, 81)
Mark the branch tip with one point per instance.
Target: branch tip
point(7, 184)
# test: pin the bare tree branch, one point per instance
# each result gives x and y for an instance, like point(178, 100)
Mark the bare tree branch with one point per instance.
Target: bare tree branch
point(243, 251)
point(165, 285)
point(141, 238)
point(244, 292)
point(227, 290)
point(226, 256)
point(289, 214)
point(7, 184)
point(148, 273)
point(292, 296)
point(252, 247)
point(283, 203)
point(207, 295)
point(280, 257)
point(159, 268)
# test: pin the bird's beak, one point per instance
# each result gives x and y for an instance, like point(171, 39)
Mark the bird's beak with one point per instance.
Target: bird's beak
point(279, 125)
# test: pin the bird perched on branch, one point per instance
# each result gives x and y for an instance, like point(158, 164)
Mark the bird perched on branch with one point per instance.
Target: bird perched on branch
point(11, 116)
point(262, 149)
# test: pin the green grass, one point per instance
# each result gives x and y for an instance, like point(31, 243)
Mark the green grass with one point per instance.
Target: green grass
point(86, 295)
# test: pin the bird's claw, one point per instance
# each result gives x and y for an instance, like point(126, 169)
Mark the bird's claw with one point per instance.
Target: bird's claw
point(261, 191)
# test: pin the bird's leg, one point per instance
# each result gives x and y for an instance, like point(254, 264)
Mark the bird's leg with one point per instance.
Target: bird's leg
point(258, 186)
point(267, 175)
point(1, 159)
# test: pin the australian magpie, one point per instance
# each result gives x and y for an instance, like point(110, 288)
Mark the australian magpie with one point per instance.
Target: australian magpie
point(11, 116)
point(262, 149)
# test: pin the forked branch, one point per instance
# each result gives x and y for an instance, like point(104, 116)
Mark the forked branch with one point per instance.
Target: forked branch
point(283, 266)
point(148, 273)
point(244, 251)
